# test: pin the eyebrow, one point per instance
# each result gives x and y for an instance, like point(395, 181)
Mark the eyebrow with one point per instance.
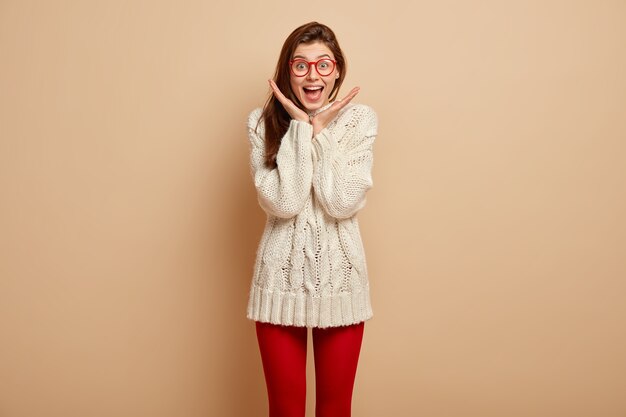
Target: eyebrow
point(300, 56)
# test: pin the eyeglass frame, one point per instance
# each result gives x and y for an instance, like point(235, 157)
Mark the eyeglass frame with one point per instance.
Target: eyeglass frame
point(291, 61)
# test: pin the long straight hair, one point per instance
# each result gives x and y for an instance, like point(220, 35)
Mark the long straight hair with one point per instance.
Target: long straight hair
point(276, 119)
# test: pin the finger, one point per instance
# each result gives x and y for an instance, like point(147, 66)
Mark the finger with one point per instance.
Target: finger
point(279, 94)
point(352, 93)
point(287, 103)
point(344, 101)
point(275, 89)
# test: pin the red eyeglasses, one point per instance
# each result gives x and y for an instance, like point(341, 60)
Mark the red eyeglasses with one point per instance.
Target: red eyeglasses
point(301, 67)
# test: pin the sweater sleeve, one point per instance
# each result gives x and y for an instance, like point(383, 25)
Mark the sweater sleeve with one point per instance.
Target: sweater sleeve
point(343, 162)
point(282, 191)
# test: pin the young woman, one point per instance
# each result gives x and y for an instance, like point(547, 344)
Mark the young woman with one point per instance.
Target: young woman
point(311, 161)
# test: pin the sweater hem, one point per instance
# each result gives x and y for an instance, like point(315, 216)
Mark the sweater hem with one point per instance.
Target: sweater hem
point(302, 310)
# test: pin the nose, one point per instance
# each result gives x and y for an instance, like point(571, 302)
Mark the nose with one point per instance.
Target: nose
point(312, 75)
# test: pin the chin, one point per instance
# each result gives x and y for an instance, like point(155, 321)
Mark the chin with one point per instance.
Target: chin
point(314, 106)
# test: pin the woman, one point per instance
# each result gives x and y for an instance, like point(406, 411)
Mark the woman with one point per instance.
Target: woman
point(311, 160)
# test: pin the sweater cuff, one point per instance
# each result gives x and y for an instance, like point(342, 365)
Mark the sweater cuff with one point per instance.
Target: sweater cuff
point(324, 141)
point(301, 128)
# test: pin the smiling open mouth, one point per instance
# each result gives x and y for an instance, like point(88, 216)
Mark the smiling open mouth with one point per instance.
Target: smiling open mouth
point(313, 94)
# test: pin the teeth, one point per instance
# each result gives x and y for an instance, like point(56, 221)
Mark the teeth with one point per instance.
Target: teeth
point(319, 87)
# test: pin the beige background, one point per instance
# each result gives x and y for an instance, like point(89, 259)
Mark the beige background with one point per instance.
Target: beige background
point(495, 231)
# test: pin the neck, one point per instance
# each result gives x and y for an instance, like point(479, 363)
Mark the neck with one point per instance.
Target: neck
point(324, 107)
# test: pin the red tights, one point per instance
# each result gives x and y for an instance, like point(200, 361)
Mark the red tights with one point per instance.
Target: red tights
point(283, 353)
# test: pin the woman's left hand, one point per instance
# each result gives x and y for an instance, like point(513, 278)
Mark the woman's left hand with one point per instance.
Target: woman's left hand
point(323, 118)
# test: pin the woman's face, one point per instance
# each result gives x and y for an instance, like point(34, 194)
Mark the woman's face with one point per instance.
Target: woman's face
point(311, 52)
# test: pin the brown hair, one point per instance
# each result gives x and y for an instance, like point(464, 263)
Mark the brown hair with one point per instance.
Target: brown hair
point(275, 117)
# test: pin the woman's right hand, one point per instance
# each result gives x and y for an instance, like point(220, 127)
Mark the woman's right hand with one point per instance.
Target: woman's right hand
point(294, 111)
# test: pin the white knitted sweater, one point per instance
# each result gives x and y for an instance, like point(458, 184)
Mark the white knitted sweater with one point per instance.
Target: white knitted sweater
point(310, 267)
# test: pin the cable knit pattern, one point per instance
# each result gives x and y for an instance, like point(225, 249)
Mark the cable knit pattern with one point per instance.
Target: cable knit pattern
point(310, 267)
